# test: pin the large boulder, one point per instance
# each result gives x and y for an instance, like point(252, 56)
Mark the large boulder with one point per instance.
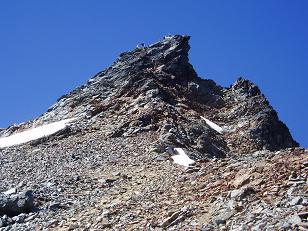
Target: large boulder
point(14, 204)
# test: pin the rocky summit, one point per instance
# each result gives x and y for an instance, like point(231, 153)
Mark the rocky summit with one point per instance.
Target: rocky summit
point(146, 144)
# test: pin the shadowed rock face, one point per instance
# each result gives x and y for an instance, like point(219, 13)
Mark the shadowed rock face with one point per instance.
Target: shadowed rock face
point(251, 118)
point(155, 89)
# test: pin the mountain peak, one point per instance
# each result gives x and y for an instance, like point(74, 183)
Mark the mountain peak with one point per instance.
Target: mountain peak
point(148, 127)
point(169, 55)
point(155, 89)
point(245, 85)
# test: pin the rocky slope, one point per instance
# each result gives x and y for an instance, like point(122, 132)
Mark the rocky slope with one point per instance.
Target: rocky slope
point(110, 168)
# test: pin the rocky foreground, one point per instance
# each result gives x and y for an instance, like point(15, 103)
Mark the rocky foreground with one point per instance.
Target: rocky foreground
point(112, 168)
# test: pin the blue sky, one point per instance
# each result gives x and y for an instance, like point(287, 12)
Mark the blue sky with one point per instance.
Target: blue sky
point(48, 48)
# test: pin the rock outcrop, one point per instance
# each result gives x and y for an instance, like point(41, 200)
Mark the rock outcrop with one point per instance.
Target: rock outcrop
point(155, 88)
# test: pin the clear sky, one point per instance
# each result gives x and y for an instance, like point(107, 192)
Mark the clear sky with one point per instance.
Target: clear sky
point(48, 48)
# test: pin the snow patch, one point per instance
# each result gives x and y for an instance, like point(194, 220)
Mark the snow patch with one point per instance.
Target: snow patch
point(213, 125)
point(182, 158)
point(34, 133)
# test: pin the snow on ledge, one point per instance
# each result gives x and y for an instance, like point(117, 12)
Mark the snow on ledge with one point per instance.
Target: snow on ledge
point(182, 158)
point(213, 125)
point(34, 133)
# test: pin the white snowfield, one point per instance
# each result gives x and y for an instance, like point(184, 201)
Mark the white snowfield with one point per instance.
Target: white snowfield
point(182, 158)
point(34, 133)
point(213, 125)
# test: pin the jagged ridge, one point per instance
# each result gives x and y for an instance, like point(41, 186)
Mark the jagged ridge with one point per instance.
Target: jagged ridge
point(155, 88)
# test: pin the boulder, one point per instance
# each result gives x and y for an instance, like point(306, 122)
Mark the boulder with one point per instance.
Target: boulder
point(14, 204)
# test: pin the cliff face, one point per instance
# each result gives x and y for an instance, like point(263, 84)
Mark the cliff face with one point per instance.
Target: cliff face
point(156, 89)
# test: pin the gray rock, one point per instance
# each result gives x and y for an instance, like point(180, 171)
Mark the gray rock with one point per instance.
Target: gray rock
point(296, 201)
point(73, 226)
point(20, 218)
point(5, 221)
point(241, 193)
point(108, 181)
point(52, 222)
point(161, 158)
point(10, 191)
point(54, 206)
point(295, 219)
point(168, 138)
point(223, 216)
point(31, 217)
point(176, 217)
point(236, 193)
point(15, 204)
point(192, 169)
point(260, 226)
